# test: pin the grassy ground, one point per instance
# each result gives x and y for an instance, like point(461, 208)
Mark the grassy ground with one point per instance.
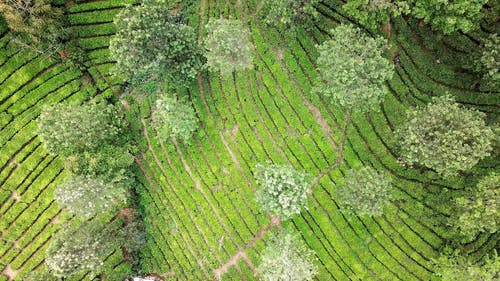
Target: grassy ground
point(198, 199)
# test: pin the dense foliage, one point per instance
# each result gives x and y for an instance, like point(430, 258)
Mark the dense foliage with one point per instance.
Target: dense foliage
point(479, 210)
point(71, 128)
point(365, 191)
point(286, 14)
point(174, 119)
point(282, 190)
point(451, 266)
point(86, 196)
point(352, 69)
point(445, 136)
point(152, 42)
point(287, 258)
point(450, 16)
point(228, 46)
point(372, 13)
point(36, 18)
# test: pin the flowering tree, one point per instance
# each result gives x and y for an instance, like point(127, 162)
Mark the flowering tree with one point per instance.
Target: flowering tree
point(283, 190)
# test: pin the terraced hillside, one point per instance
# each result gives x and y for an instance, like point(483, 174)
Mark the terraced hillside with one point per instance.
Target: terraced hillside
point(203, 222)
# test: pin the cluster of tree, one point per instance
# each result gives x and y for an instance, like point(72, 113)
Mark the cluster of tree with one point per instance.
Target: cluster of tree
point(37, 19)
point(40, 26)
point(93, 141)
point(451, 265)
point(447, 16)
point(154, 42)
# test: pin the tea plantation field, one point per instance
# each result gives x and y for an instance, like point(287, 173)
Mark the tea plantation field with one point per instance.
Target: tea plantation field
point(198, 200)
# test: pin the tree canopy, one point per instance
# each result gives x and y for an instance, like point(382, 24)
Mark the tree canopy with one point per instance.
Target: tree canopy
point(364, 191)
point(445, 136)
point(228, 46)
point(450, 16)
point(352, 69)
point(286, 14)
point(152, 42)
point(174, 119)
point(282, 190)
point(287, 258)
point(479, 209)
point(70, 128)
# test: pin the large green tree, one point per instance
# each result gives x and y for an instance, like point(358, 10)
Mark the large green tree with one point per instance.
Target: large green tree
point(282, 190)
point(365, 191)
point(37, 18)
point(445, 136)
point(479, 210)
point(287, 258)
point(152, 42)
point(286, 14)
point(87, 196)
point(72, 128)
point(175, 119)
point(228, 46)
point(450, 15)
point(352, 69)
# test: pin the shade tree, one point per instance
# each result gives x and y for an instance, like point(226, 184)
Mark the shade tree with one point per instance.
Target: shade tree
point(173, 118)
point(151, 41)
point(374, 13)
point(450, 16)
point(79, 249)
point(287, 14)
point(70, 128)
point(451, 265)
point(287, 258)
point(228, 46)
point(365, 191)
point(87, 196)
point(479, 209)
point(352, 69)
point(37, 19)
point(282, 189)
point(445, 136)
